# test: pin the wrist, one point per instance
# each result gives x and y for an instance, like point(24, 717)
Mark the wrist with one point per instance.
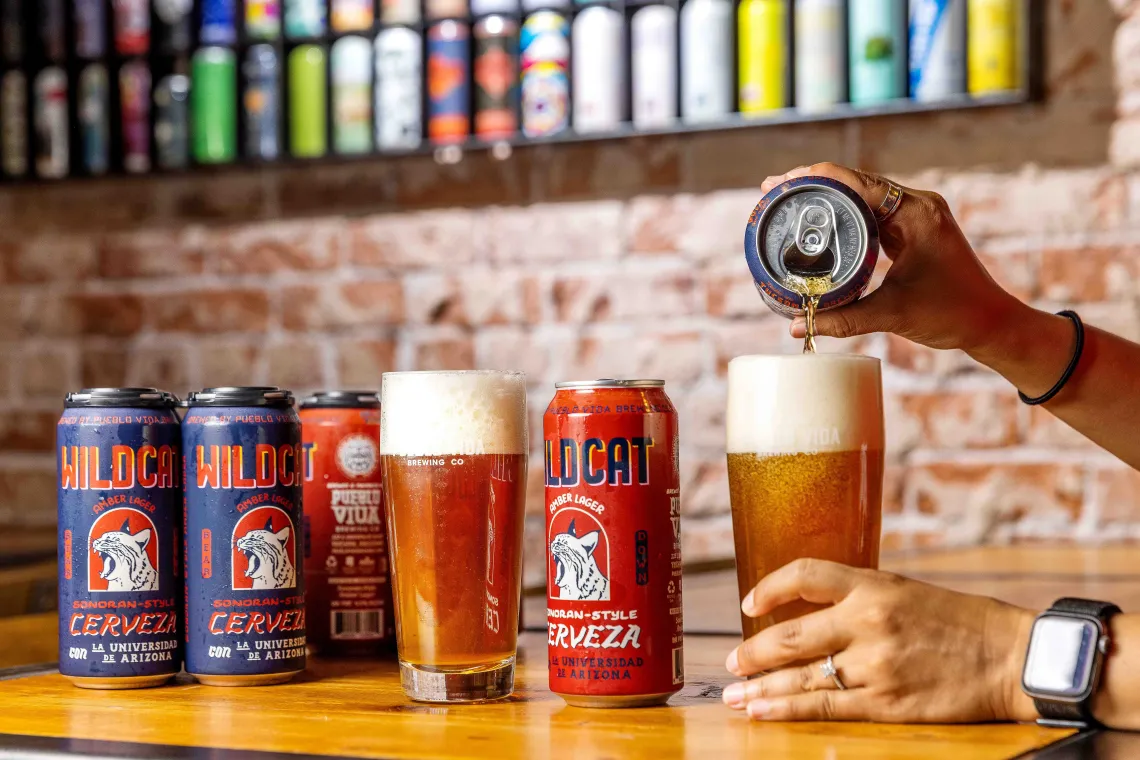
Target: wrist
point(1008, 637)
point(1028, 347)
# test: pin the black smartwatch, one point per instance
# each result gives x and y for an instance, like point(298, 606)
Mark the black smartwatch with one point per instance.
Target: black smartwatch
point(1067, 648)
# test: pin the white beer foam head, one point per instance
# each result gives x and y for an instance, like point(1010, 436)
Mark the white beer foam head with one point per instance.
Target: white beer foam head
point(804, 403)
point(470, 412)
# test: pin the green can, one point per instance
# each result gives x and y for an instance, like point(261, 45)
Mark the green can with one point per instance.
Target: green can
point(308, 101)
point(213, 105)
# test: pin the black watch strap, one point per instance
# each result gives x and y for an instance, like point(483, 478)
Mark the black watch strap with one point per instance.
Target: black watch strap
point(1079, 712)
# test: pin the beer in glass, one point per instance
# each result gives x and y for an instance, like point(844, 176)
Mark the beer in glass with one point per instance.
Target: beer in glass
point(805, 465)
point(453, 451)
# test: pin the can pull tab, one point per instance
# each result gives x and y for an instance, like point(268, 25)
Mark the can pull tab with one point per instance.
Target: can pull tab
point(813, 252)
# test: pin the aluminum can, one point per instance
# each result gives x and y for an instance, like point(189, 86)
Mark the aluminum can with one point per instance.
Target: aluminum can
point(489, 7)
point(599, 71)
point(305, 18)
point(805, 225)
point(263, 19)
point(706, 60)
point(245, 589)
point(120, 538)
point(937, 49)
point(399, 98)
point(132, 26)
point(533, 6)
point(352, 15)
point(12, 30)
point(613, 544)
point(219, 22)
point(764, 55)
point(53, 22)
point(213, 105)
point(653, 46)
point(262, 103)
point(94, 119)
point(441, 9)
point(90, 28)
point(876, 50)
point(351, 59)
point(821, 71)
point(399, 12)
point(448, 82)
point(174, 32)
point(308, 100)
point(53, 157)
point(14, 123)
point(992, 48)
point(544, 58)
point(172, 121)
point(348, 595)
point(496, 77)
point(134, 101)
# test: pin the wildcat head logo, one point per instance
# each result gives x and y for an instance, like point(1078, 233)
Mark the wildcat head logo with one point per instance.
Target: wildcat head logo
point(578, 558)
point(264, 548)
point(123, 552)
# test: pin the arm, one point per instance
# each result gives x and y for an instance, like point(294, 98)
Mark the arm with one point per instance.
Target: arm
point(937, 293)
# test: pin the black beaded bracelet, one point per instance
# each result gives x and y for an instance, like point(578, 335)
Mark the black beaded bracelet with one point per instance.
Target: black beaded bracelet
point(1069, 370)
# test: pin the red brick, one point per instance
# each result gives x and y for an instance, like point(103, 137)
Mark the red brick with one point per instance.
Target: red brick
point(361, 362)
point(655, 224)
point(767, 335)
point(27, 495)
point(210, 311)
point(445, 353)
point(46, 373)
point(512, 348)
point(1118, 495)
point(296, 365)
point(48, 258)
point(894, 478)
point(477, 297)
point(982, 498)
point(705, 492)
point(161, 366)
point(1043, 429)
point(554, 232)
point(103, 367)
point(113, 315)
point(369, 303)
point(33, 312)
point(150, 253)
point(275, 247)
point(230, 363)
point(1013, 270)
point(535, 492)
point(731, 292)
point(915, 357)
point(1088, 274)
point(426, 239)
point(630, 292)
point(976, 419)
point(27, 430)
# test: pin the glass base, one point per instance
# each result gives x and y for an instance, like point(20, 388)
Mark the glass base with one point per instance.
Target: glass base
point(424, 683)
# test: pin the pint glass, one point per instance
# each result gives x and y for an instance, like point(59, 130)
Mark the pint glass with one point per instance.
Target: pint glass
point(805, 465)
point(453, 450)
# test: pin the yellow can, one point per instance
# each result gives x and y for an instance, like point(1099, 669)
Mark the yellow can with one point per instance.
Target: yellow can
point(763, 47)
point(993, 49)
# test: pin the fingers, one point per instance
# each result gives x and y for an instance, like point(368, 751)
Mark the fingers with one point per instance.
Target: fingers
point(804, 638)
point(813, 580)
point(786, 683)
point(816, 705)
point(875, 313)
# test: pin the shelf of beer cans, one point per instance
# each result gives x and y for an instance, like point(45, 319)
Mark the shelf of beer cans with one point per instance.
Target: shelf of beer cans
point(96, 87)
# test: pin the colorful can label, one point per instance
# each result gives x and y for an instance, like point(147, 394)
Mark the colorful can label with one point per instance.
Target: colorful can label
point(348, 598)
point(706, 60)
point(132, 26)
point(613, 509)
point(90, 28)
point(172, 121)
point(544, 57)
point(399, 12)
point(764, 56)
point(937, 49)
point(877, 50)
point(399, 104)
point(53, 21)
point(53, 156)
point(351, 59)
point(305, 18)
point(173, 33)
point(262, 102)
point(95, 119)
point(496, 72)
point(992, 52)
point(120, 505)
point(821, 72)
point(653, 44)
point(213, 105)
point(245, 590)
point(352, 15)
point(219, 22)
point(263, 19)
point(14, 116)
point(599, 71)
point(134, 98)
point(308, 99)
point(449, 82)
point(12, 30)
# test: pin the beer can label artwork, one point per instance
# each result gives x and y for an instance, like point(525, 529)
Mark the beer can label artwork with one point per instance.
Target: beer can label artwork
point(262, 103)
point(263, 19)
point(599, 71)
point(876, 49)
point(399, 104)
point(132, 26)
point(349, 595)
point(219, 22)
point(12, 29)
point(544, 58)
point(120, 504)
point(53, 158)
point(244, 586)
point(613, 544)
point(352, 15)
point(811, 231)
point(653, 35)
point(308, 98)
point(441, 9)
point(351, 59)
point(937, 49)
point(134, 97)
point(94, 119)
point(496, 74)
point(305, 18)
point(52, 18)
point(213, 105)
point(992, 48)
point(449, 82)
point(172, 121)
point(821, 71)
point(90, 28)
point(399, 12)
point(14, 117)
point(764, 55)
point(173, 33)
point(706, 60)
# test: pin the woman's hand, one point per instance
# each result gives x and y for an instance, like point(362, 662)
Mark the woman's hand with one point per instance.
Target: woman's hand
point(907, 652)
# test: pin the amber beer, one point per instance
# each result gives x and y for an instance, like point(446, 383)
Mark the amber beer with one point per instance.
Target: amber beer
point(805, 465)
point(453, 451)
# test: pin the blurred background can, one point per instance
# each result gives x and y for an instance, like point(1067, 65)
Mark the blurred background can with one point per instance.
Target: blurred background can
point(448, 82)
point(597, 39)
point(219, 22)
point(348, 594)
point(821, 68)
point(261, 100)
point(263, 19)
point(305, 18)
point(764, 55)
point(134, 102)
point(399, 98)
point(308, 100)
point(213, 105)
point(993, 45)
point(172, 121)
point(877, 50)
point(653, 69)
point(93, 109)
point(496, 76)
point(14, 123)
point(352, 15)
point(937, 49)
point(174, 32)
point(706, 60)
point(441, 9)
point(487, 7)
point(132, 26)
point(53, 154)
point(53, 26)
point(351, 60)
point(399, 12)
point(12, 30)
point(544, 58)
point(90, 28)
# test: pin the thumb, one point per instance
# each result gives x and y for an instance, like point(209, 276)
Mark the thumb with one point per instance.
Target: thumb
point(869, 315)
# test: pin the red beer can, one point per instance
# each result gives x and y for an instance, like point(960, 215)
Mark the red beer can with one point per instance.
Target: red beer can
point(348, 601)
point(613, 541)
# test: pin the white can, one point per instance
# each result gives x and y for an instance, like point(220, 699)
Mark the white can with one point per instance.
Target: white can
point(530, 6)
point(400, 11)
point(489, 7)
point(399, 104)
point(937, 49)
point(53, 158)
point(653, 45)
point(706, 60)
point(821, 68)
point(597, 65)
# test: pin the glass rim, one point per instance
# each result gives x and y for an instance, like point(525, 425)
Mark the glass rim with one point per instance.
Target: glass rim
point(808, 357)
point(421, 372)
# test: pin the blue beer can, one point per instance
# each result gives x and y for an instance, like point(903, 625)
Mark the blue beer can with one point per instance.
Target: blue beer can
point(219, 22)
point(120, 538)
point(245, 589)
point(449, 82)
point(937, 49)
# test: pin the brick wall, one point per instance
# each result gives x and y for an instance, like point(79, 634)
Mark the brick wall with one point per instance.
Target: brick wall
point(618, 258)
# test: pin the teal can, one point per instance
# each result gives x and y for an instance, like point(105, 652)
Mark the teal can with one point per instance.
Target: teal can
point(213, 105)
point(877, 50)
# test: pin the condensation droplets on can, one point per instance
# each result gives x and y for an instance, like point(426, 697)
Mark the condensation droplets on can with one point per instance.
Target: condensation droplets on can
point(399, 104)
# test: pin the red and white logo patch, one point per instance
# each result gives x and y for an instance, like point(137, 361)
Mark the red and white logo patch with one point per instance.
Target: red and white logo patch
point(122, 552)
point(264, 550)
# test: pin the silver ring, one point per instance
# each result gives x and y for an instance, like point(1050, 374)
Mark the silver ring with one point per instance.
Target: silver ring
point(827, 667)
point(890, 203)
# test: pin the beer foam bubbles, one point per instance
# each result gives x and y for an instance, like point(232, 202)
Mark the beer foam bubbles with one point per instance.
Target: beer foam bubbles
point(804, 404)
point(445, 413)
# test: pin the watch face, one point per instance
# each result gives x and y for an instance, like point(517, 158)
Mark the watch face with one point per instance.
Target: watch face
point(1062, 652)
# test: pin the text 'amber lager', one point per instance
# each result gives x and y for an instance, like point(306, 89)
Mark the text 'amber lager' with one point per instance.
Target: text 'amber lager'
point(453, 449)
point(805, 465)
point(613, 543)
